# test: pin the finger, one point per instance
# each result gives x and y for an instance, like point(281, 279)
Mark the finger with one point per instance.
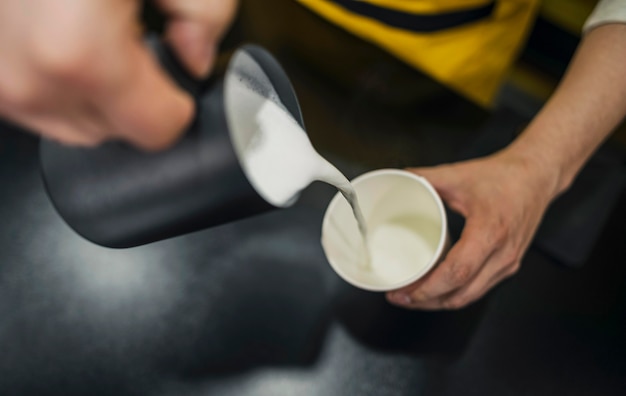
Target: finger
point(464, 261)
point(143, 105)
point(465, 296)
point(80, 127)
point(193, 46)
point(68, 118)
point(446, 182)
point(493, 274)
point(195, 29)
point(64, 130)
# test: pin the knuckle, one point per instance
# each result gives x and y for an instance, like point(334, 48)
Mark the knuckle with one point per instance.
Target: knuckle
point(511, 259)
point(513, 269)
point(68, 61)
point(501, 232)
point(459, 273)
point(64, 65)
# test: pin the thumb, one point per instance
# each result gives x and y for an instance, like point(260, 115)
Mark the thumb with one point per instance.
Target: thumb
point(442, 177)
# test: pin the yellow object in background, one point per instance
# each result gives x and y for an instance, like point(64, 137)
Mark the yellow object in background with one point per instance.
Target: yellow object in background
point(468, 45)
point(568, 15)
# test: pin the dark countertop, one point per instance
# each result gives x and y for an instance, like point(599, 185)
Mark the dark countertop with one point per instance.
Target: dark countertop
point(252, 308)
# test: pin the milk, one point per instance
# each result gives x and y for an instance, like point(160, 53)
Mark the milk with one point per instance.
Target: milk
point(407, 230)
point(281, 162)
point(407, 220)
point(276, 153)
point(332, 176)
point(397, 251)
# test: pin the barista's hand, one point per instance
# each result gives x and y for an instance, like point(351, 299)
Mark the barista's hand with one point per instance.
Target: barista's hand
point(77, 70)
point(503, 198)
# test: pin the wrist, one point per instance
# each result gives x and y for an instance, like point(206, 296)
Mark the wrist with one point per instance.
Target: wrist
point(539, 169)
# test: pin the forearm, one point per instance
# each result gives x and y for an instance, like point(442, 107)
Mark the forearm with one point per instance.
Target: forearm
point(586, 107)
point(503, 197)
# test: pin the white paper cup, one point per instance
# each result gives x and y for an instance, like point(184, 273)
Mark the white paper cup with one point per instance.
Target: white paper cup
point(407, 231)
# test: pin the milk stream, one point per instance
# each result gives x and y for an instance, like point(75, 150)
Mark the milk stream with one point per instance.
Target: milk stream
point(335, 178)
point(276, 153)
point(291, 163)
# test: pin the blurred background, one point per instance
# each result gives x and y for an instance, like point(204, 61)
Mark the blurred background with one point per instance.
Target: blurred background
point(354, 93)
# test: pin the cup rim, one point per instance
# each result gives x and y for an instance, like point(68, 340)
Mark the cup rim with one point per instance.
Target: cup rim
point(443, 237)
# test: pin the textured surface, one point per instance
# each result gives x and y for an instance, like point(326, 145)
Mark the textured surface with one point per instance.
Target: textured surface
point(252, 308)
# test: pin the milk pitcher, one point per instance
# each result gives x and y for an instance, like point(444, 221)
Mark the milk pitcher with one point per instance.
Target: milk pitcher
point(118, 196)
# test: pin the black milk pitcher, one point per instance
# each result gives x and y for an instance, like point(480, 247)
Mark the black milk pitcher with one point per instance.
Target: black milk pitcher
point(118, 196)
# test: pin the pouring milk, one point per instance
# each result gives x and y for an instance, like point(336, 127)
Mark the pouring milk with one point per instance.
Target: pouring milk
point(275, 152)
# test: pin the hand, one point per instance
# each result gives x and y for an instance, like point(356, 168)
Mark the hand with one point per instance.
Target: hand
point(77, 71)
point(503, 198)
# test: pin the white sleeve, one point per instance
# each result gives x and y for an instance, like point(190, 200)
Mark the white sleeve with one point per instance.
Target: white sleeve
point(607, 11)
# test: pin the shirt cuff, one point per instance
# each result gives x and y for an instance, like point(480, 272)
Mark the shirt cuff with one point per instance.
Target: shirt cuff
point(607, 11)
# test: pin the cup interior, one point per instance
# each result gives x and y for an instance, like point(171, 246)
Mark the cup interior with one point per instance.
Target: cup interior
point(407, 230)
